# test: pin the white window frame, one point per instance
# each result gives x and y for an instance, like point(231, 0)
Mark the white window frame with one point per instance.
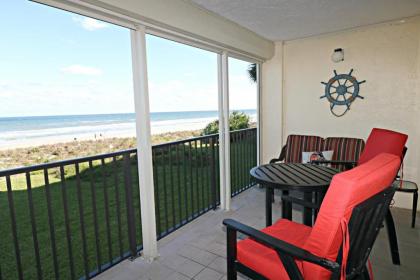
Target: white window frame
point(139, 29)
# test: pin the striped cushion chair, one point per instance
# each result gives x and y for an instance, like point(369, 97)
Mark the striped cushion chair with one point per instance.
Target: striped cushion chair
point(345, 150)
point(296, 144)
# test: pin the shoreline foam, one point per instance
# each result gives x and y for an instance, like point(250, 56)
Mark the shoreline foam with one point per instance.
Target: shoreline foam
point(102, 130)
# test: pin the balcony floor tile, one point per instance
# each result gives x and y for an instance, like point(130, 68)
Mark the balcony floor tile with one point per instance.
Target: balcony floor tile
point(198, 250)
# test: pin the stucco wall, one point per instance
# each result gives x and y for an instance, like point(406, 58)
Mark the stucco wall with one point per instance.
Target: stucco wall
point(387, 57)
point(271, 106)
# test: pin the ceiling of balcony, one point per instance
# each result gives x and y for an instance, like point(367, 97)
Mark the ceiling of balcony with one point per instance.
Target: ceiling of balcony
point(291, 19)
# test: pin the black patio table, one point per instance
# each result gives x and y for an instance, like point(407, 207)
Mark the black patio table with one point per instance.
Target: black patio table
point(306, 178)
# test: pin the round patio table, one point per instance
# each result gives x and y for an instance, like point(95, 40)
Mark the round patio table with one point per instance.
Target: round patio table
point(306, 178)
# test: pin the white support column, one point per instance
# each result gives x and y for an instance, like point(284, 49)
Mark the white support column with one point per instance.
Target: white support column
point(224, 150)
point(221, 135)
point(259, 113)
point(144, 147)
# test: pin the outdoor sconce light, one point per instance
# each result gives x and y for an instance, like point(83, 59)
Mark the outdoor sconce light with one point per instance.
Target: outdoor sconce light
point(338, 55)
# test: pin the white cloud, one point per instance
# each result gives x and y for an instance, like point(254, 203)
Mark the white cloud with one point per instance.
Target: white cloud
point(189, 95)
point(242, 92)
point(90, 24)
point(77, 69)
point(61, 97)
point(181, 95)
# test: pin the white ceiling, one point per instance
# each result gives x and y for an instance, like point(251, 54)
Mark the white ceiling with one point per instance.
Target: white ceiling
point(291, 19)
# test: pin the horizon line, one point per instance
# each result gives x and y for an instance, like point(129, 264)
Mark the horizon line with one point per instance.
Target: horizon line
point(103, 114)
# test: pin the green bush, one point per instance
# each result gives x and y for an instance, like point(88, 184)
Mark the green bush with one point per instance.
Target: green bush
point(237, 120)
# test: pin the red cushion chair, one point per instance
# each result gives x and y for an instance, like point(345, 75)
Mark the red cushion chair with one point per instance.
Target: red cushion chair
point(379, 141)
point(383, 141)
point(287, 250)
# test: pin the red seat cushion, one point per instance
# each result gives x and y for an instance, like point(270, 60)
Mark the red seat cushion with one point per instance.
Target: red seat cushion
point(296, 144)
point(383, 141)
point(265, 260)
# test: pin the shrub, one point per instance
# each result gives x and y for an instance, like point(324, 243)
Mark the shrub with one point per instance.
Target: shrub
point(237, 120)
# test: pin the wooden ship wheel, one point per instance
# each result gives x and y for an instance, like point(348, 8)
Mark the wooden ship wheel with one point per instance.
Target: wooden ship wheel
point(342, 90)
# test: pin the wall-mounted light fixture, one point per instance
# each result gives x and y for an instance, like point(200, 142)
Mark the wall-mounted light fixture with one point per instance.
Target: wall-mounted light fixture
point(337, 55)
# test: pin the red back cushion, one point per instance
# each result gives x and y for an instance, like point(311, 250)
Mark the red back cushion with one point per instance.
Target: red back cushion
point(383, 141)
point(296, 144)
point(347, 190)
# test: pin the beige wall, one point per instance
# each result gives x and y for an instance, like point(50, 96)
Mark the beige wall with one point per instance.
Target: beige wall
point(387, 57)
point(271, 106)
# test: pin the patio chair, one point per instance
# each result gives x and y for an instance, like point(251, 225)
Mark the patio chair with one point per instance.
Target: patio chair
point(296, 144)
point(337, 246)
point(379, 141)
point(344, 150)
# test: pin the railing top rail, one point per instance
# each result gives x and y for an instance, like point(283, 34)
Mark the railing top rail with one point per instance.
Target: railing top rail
point(55, 164)
point(242, 130)
point(182, 141)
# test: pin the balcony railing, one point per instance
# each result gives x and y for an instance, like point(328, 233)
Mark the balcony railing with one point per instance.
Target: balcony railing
point(76, 218)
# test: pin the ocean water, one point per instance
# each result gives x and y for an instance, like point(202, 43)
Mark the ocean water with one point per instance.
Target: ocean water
point(23, 131)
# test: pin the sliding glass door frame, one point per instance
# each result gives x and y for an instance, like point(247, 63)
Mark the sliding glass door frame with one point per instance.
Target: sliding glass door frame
point(139, 29)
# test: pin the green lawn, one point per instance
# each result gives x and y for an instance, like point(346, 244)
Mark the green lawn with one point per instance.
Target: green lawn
point(183, 181)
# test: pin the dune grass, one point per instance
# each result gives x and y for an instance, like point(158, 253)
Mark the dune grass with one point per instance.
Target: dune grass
point(27, 156)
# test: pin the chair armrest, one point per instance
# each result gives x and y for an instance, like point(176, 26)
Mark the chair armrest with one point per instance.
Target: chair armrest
point(281, 156)
point(281, 246)
point(334, 162)
point(300, 202)
point(349, 164)
point(274, 160)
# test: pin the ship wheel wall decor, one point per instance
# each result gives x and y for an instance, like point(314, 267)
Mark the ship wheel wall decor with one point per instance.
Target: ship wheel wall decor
point(342, 90)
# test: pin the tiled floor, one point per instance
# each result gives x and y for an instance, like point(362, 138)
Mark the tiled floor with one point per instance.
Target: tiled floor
point(197, 251)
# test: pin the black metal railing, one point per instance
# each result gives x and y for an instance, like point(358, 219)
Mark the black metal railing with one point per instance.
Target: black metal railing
point(243, 156)
point(69, 219)
point(186, 177)
point(74, 219)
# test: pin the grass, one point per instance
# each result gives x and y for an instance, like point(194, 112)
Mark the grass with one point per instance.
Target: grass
point(183, 177)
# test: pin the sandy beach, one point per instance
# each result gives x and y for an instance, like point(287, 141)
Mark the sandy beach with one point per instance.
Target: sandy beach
point(29, 141)
point(33, 138)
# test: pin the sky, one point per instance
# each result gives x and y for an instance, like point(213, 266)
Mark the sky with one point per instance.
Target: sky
point(53, 62)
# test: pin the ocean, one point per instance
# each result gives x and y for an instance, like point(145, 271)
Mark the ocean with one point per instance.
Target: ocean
point(29, 131)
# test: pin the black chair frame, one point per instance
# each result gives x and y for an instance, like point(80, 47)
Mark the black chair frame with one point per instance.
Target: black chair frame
point(365, 222)
point(348, 164)
point(281, 157)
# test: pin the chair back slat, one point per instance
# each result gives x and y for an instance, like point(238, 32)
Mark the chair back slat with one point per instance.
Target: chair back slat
point(366, 220)
point(345, 149)
point(296, 144)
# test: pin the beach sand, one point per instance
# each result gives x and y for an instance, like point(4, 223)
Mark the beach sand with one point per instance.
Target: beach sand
point(38, 137)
